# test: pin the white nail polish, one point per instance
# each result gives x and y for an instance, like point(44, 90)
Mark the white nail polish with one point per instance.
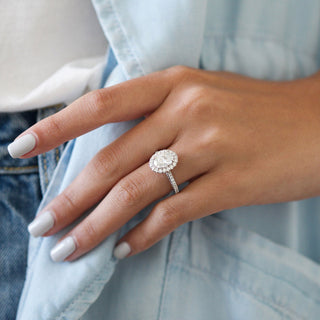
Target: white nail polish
point(22, 145)
point(63, 249)
point(122, 250)
point(41, 224)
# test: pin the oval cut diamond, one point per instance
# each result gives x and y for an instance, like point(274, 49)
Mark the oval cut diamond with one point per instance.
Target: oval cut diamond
point(163, 161)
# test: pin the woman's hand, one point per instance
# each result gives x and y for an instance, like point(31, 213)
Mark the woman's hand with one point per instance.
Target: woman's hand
point(239, 141)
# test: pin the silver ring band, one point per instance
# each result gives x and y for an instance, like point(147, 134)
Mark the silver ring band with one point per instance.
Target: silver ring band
point(164, 161)
point(172, 181)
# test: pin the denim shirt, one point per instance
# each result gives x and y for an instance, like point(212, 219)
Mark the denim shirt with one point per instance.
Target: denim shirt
point(246, 263)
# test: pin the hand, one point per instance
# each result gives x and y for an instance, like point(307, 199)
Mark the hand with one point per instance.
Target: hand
point(240, 142)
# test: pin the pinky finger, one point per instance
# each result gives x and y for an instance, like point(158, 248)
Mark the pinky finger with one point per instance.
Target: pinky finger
point(165, 217)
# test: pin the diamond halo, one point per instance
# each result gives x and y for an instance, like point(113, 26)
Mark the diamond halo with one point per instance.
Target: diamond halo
point(163, 161)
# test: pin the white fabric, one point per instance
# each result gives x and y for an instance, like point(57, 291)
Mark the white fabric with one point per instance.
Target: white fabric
point(51, 52)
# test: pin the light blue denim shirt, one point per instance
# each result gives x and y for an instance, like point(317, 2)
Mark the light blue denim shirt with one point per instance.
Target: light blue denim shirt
point(259, 262)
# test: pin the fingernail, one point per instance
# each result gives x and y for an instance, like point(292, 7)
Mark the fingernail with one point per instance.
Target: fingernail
point(63, 249)
point(41, 224)
point(22, 145)
point(122, 250)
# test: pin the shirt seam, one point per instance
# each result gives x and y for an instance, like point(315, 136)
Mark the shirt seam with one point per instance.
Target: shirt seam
point(115, 33)
point(165, 276)
point(125, 36)
point(84, 291)
point(255, 295)
point(261, 38)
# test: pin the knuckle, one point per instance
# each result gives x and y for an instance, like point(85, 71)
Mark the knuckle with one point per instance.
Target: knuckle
point(143, 241)
point(54, 126)
point(95, 99)
point(90, 231)
point(210, 139)
point(179, 73)
point(68, 201)
point(128, 192)
point(106, 162)
point(100, 102)
point(100, 164)
point(196, 96)
point(168, 214)
point(193, 103)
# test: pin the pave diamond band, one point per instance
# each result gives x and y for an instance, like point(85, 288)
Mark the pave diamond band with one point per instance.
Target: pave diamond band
point(172, 181)
point(164, 161)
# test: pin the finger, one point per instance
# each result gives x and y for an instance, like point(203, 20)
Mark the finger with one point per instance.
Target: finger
point(125, 101)
point(110, 165)
point(205, 196)
point(127, 198)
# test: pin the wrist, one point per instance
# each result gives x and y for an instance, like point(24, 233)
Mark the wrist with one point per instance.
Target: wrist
point(304, 94)
point(308, 87)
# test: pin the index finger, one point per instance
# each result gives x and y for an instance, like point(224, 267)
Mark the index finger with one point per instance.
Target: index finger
point(125, 101)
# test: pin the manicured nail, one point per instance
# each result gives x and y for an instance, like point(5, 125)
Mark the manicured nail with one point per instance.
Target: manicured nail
point(63, 249)
point(41, 224)
point(122, 250)
point(22, 145)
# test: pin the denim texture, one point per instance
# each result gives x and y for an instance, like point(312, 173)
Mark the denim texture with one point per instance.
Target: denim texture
point(22, 185)
point(20, 197)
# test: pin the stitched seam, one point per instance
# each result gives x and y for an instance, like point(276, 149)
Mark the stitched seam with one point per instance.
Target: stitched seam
point(122, 30)
point(165, 277)
point(261, 38)
point(179, 237)
point(274, 276)
point(57, 153)
point(45, 168)
point(83, 291)
point(18, 168)
point(233, 284)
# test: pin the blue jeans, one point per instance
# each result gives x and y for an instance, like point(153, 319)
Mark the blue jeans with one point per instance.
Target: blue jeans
point(22, 184)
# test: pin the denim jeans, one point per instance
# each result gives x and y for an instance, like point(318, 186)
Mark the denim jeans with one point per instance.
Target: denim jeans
point(22, 184)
